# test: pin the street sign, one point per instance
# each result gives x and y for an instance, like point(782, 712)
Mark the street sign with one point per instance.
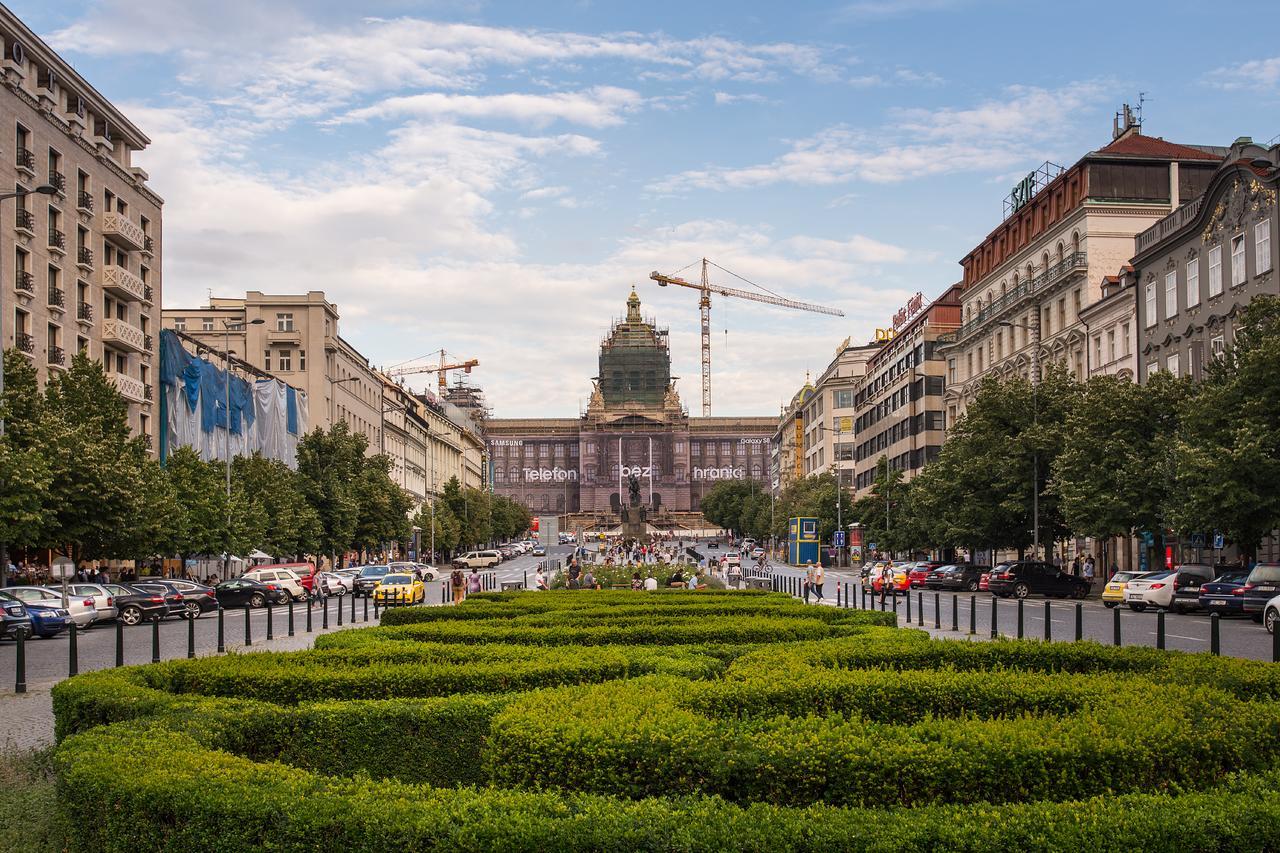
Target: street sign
point(837, 539)
point(1217, 541)
point(1197, 540)
point(871, 546)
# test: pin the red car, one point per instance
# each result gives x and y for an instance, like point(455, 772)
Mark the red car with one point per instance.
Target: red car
point(917, 573)
point(984, 582)
point(900, 581)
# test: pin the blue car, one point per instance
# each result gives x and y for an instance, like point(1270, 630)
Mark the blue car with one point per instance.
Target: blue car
point(1225, 593)
point(48, 620)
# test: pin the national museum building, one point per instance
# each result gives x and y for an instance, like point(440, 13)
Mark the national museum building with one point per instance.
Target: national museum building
point(633, 425)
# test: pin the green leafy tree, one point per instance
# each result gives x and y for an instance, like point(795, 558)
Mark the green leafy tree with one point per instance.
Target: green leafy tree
point(814, 497)
point(448, 532)
point(723, 503)
point(24, 472)
point(382, 506)
point(880, 511)
point(292, 526)
point(198, 509)
point(329, 465)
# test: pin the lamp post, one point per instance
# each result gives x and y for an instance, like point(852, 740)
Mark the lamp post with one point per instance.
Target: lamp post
point(1034, 329)
point(43, 189)
point(227, 327)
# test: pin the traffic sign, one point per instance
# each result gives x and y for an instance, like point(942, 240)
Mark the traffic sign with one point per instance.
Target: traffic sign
point(1197, 540)
point(837, 539)
point(1217, 541)
point(871, 546)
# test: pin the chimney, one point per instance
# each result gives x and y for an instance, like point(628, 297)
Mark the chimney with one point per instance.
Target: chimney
point(1123, 124)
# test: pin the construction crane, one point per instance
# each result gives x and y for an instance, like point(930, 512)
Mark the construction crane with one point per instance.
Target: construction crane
point(704, 303)
point(440, 369)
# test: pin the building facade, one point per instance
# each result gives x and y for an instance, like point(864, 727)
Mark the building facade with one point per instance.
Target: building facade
point(786, 448)
point(1198, 267)
point(828, 414)
point(898, 403)
point(1109, 325)
point(82, 263)
point(1026, 284)
point(634, 427)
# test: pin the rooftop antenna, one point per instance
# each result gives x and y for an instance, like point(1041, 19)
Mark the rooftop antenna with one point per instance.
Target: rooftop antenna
point(1142, 97)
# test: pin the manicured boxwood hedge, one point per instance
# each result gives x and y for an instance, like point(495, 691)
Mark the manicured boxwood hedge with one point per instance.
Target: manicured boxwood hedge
point(672, 721)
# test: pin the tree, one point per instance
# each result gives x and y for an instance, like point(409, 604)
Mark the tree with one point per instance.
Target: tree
point(447, 531)
point(24, 472)
point(722, 505)
point(329, 464)
point(813, 497)
point(382, 506)
point(470, 506)
point(197, 521)
point(292, 526)
point(880, 511)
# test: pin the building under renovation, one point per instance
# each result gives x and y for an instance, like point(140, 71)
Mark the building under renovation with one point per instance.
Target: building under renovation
point(634, 426)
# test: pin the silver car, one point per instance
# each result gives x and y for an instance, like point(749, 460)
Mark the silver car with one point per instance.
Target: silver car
point(80, 607)
point(104, 600)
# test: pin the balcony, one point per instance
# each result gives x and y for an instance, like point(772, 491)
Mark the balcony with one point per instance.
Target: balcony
point(284, 336)
point(148, 294)
point(24, 282)
point(1075, 262)
point(84, 258)
point(118, 281)
point(84, 312)
point(57, 356)
point(25, 220)
point(25, 343)
point(148, 245)
point(146, 436)
point(57, 297)
point(57, 240)
point(147, 342)
point(84, 201)
point(146, 392)
point(121, 334)
point(58, 181)
point(122, 231)
point(26, 161)
point(131, 389)
point(1171, 223)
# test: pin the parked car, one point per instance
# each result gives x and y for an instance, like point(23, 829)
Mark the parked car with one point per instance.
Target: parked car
point(174, 601)
point(399, 589)
point(332, 583)
point(369, 578)
point(246, 592)
point(984, 582)
point(199, 598)
point(1262, 585)
point(48, 619)
point(757, 553)
point(284, 578)
point(896, 576)
point(80, 607)
point(919, 572)
point(1225, 593)
point(1021, 578)
point(1157, 588)
point(103, 601)
point(508, 552)
point(957, 577)
point(733, 560)
point(539, 550)
point(479, 559)
point(1113, 592)
point(1271, 614)
point(136, 606)
point(1186, 586)
point(420, 570)
point(15, 619)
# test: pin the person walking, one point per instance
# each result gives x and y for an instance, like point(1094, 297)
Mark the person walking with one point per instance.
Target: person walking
point(473, 581)
point(808, 579)
point(819, 577)
point(886, 578)
point(458, 581)
point(1088, 574)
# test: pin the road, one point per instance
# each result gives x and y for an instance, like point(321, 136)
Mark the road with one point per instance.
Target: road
point(1187, 632)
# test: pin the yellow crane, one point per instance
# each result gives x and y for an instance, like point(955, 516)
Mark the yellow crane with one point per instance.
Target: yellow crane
point(706, 288)
point(440, 369)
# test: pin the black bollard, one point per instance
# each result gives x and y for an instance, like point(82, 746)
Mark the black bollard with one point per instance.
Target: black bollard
point(366, 607)
point(155, 641)
point(310, 601)
point(324, 612)
point(955, 613)
point(1160, 630)
point(375, 611)
point(339, 609)
point(909, 608)
point(291, 617)
point(222, 645)
point(973, 615)
point(248, 635)
point(837, 594)
point(1116, 625)
point(353, 607)
point(994, 612)
point(270, 631)
point(895, 603)
point(1079, 621)
point(1020, 609)
point(937, 610)
point(20, 680)
point(1215, 638)
point(191, 638)
point(119, 643)
point(73, 665)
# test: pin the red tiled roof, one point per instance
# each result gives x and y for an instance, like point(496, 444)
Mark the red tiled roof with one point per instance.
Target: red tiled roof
point(1137, 145)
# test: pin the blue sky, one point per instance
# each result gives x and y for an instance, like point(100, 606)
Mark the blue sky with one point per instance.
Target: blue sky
point(492, 178)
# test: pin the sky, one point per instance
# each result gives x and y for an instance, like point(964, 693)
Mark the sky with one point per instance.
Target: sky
point(493, 178)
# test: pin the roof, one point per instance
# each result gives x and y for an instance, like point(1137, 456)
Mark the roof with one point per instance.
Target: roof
point(1137, 145)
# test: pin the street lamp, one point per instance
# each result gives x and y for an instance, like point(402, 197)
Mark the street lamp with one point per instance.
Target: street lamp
point(227, 327)
point(43, 189)
point(1034, 328)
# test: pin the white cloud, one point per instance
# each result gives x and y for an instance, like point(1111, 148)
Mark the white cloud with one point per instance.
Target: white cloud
point(601, 106)
point(881, 9)
point(724, 98)
point(918, 143)
point(1262, 75)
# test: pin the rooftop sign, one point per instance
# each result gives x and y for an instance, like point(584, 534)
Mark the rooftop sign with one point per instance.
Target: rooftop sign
point(1025, 190)
point(906, 312)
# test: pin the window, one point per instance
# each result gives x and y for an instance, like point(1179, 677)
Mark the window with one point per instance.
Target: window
point(1111, 345)
point(286, 359)
point(1262, 246)
point(1217, 345)
point(206, 324)
point(1075, 296)
point(1215, 271)
point(1150, 304)
point(951, 370)
point(180, 323)
point(1097, 350)
point(1125, 330)
point(284, 322)
point(302, 359)
point(1237, 260)
point(1062, 313)
point(1171, 294)
point(266, 360)
point(1172, 363)
point(1152, 367)
point(1047, 328)
point(1193, 283)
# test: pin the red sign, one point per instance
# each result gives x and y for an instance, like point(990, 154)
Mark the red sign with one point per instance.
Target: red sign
point(906, 312)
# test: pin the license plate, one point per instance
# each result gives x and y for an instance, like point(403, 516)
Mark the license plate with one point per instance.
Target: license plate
point(1218, 603)
point(1135, 596)
point(1266, 589)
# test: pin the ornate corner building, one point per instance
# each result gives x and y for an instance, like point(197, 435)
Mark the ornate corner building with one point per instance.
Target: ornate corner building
point(635, 425)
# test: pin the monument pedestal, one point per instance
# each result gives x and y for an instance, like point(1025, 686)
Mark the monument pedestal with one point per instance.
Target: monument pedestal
point(634, 524)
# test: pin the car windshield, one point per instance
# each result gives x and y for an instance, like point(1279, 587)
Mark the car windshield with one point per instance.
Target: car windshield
point(945, 570)
point(1231, 577)
point(391, 580)
point(373, 571)
point(1156, 576)
point(1265, 573)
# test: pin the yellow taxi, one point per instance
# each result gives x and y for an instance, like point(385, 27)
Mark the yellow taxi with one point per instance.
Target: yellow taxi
point(399, 589)
point(1113, 592)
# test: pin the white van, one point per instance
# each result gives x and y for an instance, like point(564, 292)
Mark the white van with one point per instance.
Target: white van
point(480, 559)
point(286, 579)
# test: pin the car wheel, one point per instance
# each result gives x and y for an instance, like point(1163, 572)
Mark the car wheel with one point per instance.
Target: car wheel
point(193, 610)
point(1137, 606)
point(131, 615)
point(1269, 620)
point(256, 600)
point(1080, 592)
point(1109, 604)
point(1021, 590)
point(971, 586)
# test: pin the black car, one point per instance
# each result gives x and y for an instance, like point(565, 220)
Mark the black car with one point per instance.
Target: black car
point(1262, 585)
point(198, 598)
point(136, 605)
point(1225, 593)
point(1031, 577)
point(14, 618)
point(369, 577)
point(243, 592)
point(1186, 586)
point(174, 601)
point(957, 577)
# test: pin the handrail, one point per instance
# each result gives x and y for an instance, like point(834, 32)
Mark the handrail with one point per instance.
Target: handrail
point(1058, 271)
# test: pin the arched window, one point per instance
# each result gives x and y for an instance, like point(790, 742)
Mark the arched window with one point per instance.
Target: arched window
point(1075, 242)
point(1059, 251)
point(1044, 261)
point(515, 473)
point(1004, 288)
point(1015, 281)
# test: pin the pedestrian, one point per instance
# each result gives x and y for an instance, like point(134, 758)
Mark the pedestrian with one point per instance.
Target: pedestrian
point(540, 580)
point(473, 581)
point(588, 579)
point(808, 579)
point(459, 583)
point(1076, 566)
point(636, 582)
point(886, 578)
point(819, 577)
point(1088, 572)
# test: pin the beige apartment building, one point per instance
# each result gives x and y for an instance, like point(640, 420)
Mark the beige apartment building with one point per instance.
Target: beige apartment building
point(1110, 325)
point(429, 440)
point(1026, 284)
point(82, 259)
point(786, 447)
point(829, 414)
